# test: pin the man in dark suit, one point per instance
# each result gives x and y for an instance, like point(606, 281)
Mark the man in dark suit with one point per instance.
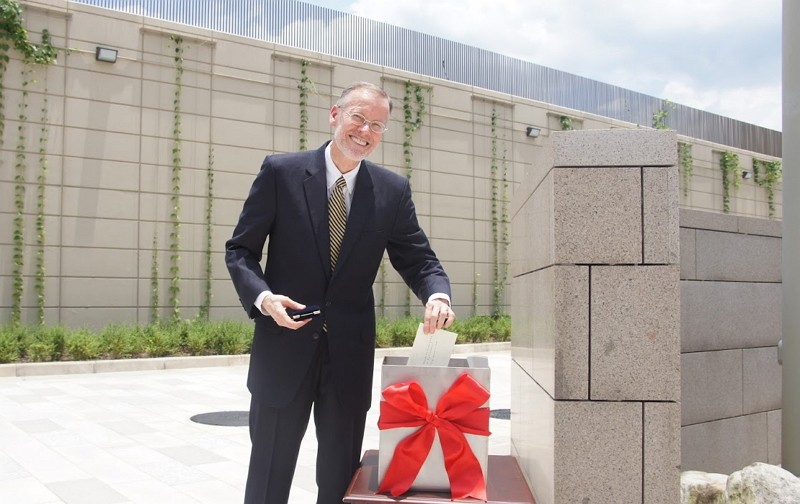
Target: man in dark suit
point(326, 361)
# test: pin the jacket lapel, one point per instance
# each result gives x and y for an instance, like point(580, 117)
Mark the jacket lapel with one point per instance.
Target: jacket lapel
point(316, 193)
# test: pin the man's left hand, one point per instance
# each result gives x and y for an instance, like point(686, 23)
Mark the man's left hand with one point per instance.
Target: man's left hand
point(438, 315)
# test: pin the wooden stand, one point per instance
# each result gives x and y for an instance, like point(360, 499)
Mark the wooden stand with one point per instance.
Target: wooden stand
point(505, 485)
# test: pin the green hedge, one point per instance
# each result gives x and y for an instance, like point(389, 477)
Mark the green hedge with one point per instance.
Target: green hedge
point(197, 337)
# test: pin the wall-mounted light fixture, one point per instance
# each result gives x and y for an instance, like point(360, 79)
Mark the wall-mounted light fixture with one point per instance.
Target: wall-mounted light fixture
point(747, 175)
point(105, 54)
point(532, 132)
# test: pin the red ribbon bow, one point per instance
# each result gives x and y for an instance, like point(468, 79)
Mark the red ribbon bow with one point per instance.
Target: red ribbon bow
point(459, 411)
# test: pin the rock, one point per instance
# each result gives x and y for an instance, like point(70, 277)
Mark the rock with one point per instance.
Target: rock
point(761, 483)
point(703, 488)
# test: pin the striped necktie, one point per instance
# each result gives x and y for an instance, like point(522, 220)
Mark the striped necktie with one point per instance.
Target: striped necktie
point(337, 219)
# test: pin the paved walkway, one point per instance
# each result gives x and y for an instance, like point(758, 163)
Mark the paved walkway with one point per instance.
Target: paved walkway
point(127, 437)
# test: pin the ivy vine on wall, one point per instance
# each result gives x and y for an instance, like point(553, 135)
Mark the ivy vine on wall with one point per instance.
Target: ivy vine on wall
point(303, 88)
point(205, 308)
point(729, 164)
point(661, 115)
point(41, 180)
point(413, 112)
point(154, 295)
point(475, 278)
point(20, 168)
point(13, 34)
point(175, 213)
point(382, 278)
point(499, 219)
point(773, 171)
point(686, 163)
point(566, 123)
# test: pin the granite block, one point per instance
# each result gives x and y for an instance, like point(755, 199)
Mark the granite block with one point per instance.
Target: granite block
point(761, 380)
point(522, 301)
point(570, 298)
point(726, 445)
point(722, 315)
point(532, 231)
point(614, 147)
point(599, 452)
point(635, 335)
point(774, 436)
point(662, 452)
point(534, 176)
point(737, 258)
point(714, 221)
point(660, 205)
point(688, 262)
point(597, 216)
point(550, 329)
point(711, 386)
point(560, 320)
point(764, 227)
point(533, 433)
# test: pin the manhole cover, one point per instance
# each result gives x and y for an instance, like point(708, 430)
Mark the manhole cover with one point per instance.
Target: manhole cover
point(224, 418)
point(502, 414)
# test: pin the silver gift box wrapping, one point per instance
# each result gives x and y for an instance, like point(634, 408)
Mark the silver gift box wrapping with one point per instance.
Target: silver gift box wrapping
point(435, 381)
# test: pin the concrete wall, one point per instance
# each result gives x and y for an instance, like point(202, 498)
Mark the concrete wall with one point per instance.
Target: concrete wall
point(731, 300)
point(109, 156)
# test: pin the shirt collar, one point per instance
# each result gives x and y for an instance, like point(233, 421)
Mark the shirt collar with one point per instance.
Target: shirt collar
point(332, 173)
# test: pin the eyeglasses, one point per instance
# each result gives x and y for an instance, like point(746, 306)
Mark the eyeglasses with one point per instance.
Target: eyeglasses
point(359, 120)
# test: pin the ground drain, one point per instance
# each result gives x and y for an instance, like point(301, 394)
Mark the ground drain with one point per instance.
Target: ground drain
point(223, 418)
point(502, 414)
point(240, 418)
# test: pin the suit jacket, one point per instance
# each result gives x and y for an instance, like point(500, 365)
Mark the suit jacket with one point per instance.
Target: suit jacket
point(288, 205)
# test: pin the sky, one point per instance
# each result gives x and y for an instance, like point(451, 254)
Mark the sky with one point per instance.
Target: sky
point(722, 56)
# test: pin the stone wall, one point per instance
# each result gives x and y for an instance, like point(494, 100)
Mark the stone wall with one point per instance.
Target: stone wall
point(730, 326)
point(595, 309)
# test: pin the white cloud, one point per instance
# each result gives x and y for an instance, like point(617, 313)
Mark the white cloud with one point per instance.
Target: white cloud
point(759, 105)
point(719, 55)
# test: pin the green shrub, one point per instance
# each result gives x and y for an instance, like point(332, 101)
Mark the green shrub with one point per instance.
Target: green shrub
point(383, 335)
point(44, 344)
point(120, 341)
point(197, 341)
point(9, 344)
point(200, 337)
point(39, 351)
point(160, 340)
point(502, 328)
point(83, 345)
point(403, 331)
point(474, 329)
point(228, 338)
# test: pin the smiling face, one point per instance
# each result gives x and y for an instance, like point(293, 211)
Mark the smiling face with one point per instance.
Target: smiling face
point(353, 142)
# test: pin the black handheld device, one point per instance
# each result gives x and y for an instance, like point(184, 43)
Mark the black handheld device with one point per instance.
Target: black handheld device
point(307, 312)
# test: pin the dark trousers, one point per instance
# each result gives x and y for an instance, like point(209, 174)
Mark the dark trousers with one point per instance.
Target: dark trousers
point(276, 434)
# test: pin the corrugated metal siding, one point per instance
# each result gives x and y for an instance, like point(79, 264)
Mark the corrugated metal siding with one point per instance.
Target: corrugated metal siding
point(306, 26)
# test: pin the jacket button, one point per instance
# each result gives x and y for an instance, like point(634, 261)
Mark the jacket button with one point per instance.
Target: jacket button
point(315, 336)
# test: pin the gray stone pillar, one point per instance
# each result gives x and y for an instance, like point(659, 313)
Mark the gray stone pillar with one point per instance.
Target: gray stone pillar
point(595, 413)
point(790, 422)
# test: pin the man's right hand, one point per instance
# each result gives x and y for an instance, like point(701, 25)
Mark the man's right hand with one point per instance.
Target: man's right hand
point(276, 305)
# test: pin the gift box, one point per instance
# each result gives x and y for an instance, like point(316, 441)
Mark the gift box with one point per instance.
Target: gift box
point(438, 417)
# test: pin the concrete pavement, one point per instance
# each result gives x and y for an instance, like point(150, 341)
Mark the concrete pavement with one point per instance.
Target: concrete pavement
point(89, 437)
